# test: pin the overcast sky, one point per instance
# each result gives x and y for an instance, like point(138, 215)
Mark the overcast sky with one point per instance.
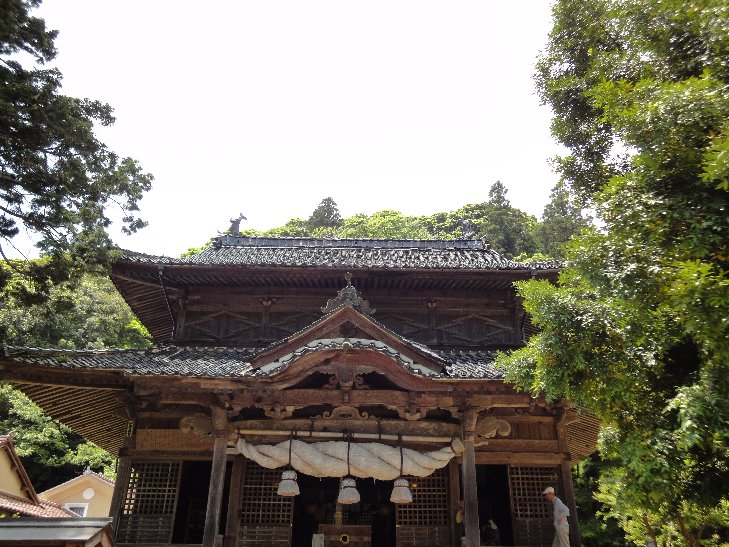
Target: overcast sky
point(267, 107)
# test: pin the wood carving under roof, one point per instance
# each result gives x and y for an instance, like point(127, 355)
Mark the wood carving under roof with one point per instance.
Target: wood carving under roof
point(346, 379)
point(348, 296)
point(198, 424)
point(346, 412)
point(480, 429)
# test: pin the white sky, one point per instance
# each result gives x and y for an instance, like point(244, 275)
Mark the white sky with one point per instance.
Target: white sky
point(267, 107)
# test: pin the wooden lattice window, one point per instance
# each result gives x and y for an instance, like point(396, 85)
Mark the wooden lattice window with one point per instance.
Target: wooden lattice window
point(148, 510)
point(530, 510)
point(266, 517)
point(526, 485)
point(430, 501)
point(424, 522)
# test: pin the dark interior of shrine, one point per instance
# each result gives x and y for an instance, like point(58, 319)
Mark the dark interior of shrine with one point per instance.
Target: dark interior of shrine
point(317, 504)
point(494, 508)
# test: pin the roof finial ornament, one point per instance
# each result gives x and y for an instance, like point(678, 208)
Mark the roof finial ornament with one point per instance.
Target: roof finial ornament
point(348, 296)
point(234, 229)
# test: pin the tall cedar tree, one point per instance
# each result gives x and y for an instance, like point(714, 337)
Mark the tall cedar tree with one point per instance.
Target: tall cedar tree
point(56, 178)
point(637, 332)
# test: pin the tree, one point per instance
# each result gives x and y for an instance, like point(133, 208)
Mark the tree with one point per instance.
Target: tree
point(509, 230)
point(637, 332)
point(326, 215)
point(56, 177)
point(87, 315)
point(386, 224)
point(562, 218)
point(90, 314)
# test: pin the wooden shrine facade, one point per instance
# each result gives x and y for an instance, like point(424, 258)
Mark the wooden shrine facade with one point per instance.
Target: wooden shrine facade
point(267, 340)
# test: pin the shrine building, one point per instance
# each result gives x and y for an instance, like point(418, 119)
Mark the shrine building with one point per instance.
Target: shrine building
point(319, 392)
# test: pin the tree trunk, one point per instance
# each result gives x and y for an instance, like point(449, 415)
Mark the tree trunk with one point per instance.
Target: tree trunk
point(690, 539)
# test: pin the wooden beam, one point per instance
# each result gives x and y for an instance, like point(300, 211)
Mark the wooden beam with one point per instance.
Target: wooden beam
point(217, 479)
point(232, 521)
point(519, 458)
point(121, 483)
point(470, 495)
point(569, 494)
point(454, 498)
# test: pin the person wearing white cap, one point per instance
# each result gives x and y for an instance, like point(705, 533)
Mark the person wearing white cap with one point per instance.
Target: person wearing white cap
point(560, 512)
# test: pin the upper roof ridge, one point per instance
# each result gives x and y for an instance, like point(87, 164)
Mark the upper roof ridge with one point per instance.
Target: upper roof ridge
point(368, 243)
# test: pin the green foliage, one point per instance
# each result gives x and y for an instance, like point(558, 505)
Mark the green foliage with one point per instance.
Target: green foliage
point(87, 315)
point(509, 230)
point(597, 529)
point(385, 224)
point(56, 178)
point(326, 215)
point(51, 453)
point(562, 218)
point(637, 332)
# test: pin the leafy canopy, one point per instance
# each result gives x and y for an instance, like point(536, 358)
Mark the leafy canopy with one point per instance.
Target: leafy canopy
point(87, 315)
point(56, 178)
point(637, 332)
point(508, 230)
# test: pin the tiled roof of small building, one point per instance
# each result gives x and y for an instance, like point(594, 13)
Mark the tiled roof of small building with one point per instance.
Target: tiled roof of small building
point(44, 508)
point(347, 253)
point(216, 362)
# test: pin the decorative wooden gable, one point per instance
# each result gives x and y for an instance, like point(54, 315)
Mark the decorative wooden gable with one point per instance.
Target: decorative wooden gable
point(345, 345)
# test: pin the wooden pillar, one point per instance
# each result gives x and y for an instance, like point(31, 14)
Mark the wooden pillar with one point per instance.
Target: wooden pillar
point(123, 470)
point(121, 485)
point(470, 495)
point(217, 478)
point(569, 494)
point(232, 521)
point(564, 419)
point(454, 492)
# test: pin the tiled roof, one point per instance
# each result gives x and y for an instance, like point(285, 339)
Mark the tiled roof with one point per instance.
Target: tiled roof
point(347, 253)
point(217, 362)
point(44, 508)
point(471, 364)
point(158, 361)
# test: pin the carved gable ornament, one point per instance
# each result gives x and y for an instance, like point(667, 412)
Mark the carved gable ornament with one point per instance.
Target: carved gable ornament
point(348, 296)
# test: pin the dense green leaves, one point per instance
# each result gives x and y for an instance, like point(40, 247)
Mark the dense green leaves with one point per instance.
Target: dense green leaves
point(507, 229)
point(51, 453)
point(89, 315)
point(326, 215)
point(638, 330)
point(57, 180)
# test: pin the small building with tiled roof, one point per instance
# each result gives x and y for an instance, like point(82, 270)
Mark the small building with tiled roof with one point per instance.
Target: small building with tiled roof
point(17, 495)
point(88, 495)
point(372, 358)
